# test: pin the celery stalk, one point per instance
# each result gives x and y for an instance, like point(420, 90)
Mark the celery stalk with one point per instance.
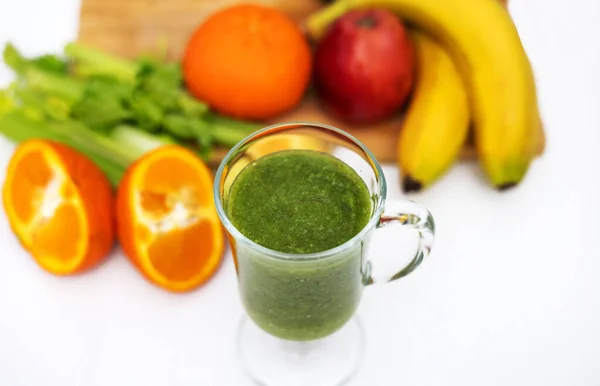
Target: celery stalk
point(18, 126)
point(229, 132)
point(89, 61)
point(113, 153)
point(138, 142)
point(68, 88)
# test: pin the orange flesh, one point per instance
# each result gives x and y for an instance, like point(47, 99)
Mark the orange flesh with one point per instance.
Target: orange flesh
point(27, 190)
point(55, 237)
point(45, 209)
point(171, 175)
point(170, 252)
point(175, 227)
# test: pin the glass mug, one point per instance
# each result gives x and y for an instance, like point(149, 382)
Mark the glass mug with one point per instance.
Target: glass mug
point(301, 329)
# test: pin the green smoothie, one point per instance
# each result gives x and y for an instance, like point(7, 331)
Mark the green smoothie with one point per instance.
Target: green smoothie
point(299, 202)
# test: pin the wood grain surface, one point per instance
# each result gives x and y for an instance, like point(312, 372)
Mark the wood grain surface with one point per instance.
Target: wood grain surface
point(133, 27)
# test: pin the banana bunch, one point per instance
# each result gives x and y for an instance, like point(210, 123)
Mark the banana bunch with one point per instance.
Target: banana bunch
point(472, 72)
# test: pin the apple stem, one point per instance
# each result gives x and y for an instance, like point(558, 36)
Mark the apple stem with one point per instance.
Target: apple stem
point(366, 21)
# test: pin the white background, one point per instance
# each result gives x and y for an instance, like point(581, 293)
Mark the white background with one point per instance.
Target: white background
point(510, 296)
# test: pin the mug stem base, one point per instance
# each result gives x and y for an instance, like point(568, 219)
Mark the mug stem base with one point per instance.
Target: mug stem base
point(330, 361)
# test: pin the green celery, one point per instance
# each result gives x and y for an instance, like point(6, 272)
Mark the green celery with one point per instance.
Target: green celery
point(229, 132)
point(89, 61)
point(99, 111)
point(68, 88)
point(52, 106)
point(137, 141)
point(16, 61)
point(148, 115)
point(18, 126)
point(113, 153)
point(162, 83)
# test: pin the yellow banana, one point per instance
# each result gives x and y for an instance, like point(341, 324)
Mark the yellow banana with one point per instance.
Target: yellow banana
point(437, 121)
point(484, 44)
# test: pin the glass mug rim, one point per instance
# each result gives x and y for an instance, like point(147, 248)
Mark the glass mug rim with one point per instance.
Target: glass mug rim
point(238, 236)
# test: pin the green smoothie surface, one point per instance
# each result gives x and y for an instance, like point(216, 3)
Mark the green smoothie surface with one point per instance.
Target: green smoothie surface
point(299, 201)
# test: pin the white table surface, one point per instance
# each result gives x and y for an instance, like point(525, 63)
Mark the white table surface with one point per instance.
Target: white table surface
point(510, 296)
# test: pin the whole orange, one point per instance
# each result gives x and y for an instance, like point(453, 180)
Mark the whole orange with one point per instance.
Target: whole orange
point(248, 61)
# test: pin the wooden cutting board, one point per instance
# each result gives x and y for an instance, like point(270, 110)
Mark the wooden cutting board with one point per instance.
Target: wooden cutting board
point(132, 27)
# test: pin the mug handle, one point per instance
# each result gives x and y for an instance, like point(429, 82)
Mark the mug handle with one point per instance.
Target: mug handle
point(411, 215)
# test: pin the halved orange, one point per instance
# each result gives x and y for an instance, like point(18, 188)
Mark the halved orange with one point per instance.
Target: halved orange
point(60, 206)
point(167, 220)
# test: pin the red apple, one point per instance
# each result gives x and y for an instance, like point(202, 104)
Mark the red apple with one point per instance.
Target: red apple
point(364, 66)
